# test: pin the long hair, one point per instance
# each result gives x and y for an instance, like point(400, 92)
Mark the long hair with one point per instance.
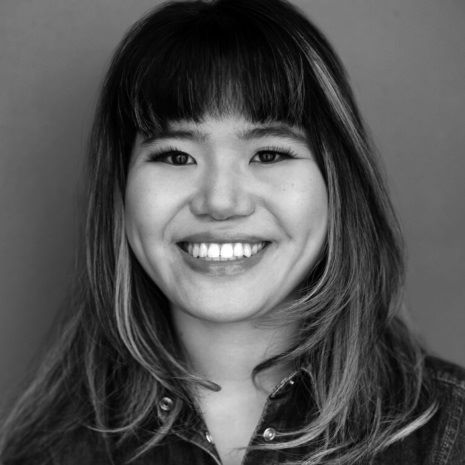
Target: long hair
point(117, 353)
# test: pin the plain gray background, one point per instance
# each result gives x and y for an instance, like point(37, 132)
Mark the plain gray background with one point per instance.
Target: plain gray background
point(407, 66)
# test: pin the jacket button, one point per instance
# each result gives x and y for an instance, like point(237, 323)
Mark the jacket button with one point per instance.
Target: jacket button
point(269, 434)
point(166, 404)
point(208, 437)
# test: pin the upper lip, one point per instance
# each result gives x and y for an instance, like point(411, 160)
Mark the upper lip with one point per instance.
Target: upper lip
point(222, 237)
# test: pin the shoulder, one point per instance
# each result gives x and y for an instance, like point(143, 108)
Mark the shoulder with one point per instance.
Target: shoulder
point(445, 370)
point(448, 382)
point(446, 373)
point(441, 440)
point(75, 449)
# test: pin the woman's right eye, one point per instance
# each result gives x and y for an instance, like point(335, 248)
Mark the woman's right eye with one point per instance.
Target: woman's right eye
point(172, 157)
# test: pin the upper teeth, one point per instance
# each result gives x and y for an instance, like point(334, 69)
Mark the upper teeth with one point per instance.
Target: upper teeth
point(228, 251)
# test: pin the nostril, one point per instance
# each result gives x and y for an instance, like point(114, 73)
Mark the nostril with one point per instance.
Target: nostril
point(222, 201)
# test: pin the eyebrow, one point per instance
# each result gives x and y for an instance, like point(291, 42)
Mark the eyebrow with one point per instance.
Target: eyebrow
point(274, 130)
point(277, 130)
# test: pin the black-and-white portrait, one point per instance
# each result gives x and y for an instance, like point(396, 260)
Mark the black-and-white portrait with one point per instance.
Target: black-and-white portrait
point(232, 232)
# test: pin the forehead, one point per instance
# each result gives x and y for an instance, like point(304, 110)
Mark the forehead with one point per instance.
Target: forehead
point(235, 126)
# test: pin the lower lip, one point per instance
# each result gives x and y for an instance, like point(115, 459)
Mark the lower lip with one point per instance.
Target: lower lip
point(223, 268)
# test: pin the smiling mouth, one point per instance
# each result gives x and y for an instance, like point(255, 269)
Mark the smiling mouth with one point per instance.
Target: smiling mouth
point(222, 252)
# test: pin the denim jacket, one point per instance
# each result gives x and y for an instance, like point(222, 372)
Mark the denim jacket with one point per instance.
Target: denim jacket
point(440, 442)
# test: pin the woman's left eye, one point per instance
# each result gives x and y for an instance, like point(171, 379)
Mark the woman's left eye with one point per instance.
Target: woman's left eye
point(271, 156)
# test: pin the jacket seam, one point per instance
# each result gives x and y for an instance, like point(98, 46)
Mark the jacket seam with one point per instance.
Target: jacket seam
point(460, 384)
point(452, 427)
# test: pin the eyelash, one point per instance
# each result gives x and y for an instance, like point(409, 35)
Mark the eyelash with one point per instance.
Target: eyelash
point(163, 155)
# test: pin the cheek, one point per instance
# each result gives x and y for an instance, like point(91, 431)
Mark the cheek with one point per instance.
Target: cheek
point(149, 204)
point(303, 204)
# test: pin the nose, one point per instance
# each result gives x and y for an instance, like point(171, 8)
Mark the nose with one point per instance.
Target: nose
point(222, 193)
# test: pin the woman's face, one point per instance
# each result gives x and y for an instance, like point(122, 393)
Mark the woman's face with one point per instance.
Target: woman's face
point(226, 216)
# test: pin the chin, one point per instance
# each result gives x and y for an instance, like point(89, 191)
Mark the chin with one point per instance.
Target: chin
point(223, 313)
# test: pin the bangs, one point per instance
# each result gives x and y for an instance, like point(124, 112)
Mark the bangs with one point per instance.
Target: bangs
point(213, 62)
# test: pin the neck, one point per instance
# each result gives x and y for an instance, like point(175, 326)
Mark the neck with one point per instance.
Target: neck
point(227, 353)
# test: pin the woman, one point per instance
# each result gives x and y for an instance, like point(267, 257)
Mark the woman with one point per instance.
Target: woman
point(244, 267)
